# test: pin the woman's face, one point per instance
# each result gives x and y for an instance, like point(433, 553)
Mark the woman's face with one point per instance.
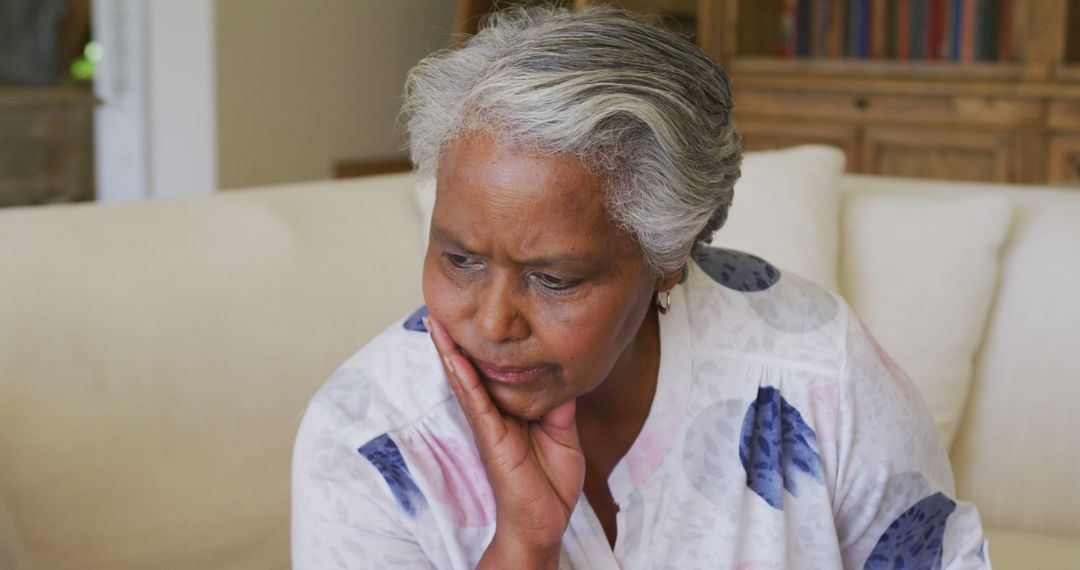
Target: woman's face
point(543, 293)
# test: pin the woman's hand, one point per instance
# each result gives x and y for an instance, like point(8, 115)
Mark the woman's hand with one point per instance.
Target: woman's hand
point(536, 469)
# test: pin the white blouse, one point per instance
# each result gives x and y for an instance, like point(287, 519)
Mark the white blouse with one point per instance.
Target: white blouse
point(780, 436)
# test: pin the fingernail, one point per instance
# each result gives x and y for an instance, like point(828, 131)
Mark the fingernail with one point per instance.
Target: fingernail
point(427, 323)
point(449, 365)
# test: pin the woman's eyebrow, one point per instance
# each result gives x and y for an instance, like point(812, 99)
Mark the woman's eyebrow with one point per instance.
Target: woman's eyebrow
point(554, 260)
point(446, 238)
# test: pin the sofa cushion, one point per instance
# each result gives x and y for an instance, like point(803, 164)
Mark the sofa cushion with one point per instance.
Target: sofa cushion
point(787, 210)
point(920, 271)
point(1015, 453)
point(12, 554)
point(1017, 549)
point(157, 358)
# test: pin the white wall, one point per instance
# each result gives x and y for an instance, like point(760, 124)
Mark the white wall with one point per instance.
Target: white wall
point(154, 130)
point(183, 135)
point(302, 84)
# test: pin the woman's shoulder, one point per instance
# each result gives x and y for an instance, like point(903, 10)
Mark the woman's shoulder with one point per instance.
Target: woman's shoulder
point(390, 383)
point(740, 303)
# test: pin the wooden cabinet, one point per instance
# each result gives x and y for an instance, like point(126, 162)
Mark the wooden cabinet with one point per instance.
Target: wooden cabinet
point(942, 154)
point(1065, 159)
point(1014, 117)
point(46, 145)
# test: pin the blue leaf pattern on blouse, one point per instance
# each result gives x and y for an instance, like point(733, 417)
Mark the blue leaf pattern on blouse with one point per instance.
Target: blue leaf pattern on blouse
point(415, 321)
point(383, 453)
point(915, 538)
point(737, 270)
point(775, 445)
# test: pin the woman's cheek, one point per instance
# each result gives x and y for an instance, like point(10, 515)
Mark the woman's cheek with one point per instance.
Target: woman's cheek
point(429, 281)
point(441, 296)
point(580, 343)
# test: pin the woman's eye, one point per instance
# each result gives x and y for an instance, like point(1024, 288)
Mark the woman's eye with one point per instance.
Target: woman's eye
point(458, 261)
point(554, 282)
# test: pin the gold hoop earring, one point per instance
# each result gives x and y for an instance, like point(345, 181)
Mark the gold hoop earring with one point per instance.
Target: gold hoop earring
point(663, 305)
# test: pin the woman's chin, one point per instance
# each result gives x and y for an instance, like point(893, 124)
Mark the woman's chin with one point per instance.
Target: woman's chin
point(521, 406)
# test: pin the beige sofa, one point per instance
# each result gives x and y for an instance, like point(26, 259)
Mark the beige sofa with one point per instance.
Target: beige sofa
point(155, 360)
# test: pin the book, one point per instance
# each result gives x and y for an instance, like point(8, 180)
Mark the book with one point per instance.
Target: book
point(864, 28)
point(803, 27)
point(903, 29)
point(918, 29)
point(878, 22)
point(1005, 33)
point(837, 28)
point(854, 16)
point(948, 18)
point(890, 29)
point(957, 28)
point(989, 30)
point(788, 12)
point(967, 30)
point(935, 28)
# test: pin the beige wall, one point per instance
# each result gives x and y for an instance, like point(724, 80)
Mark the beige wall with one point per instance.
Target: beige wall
point(304, 83)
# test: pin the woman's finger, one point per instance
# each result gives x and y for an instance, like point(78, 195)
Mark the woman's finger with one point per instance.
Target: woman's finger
point(443, 343)
point(484, 418)
point(560, 456)
point(560, 424)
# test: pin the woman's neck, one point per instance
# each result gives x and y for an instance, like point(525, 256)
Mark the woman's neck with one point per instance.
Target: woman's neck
point(613, 414)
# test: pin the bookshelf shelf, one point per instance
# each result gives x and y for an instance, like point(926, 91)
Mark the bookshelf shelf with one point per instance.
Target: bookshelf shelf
point(854, 67)
point(1070, 73)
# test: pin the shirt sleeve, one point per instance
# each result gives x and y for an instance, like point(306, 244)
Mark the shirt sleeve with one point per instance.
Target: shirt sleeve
point(894, 497)
point(341, 505)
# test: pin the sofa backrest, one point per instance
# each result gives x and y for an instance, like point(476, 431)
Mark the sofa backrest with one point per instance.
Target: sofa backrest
point(155, 360)
point(1016, 455)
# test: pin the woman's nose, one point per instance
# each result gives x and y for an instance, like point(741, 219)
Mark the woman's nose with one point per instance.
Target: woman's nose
point(498, 318)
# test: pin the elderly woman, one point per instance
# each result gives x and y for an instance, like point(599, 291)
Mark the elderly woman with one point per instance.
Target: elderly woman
point(601, 389)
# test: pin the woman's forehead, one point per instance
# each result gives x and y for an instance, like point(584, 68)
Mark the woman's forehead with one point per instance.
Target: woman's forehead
point(483, 171)
point(512, 194)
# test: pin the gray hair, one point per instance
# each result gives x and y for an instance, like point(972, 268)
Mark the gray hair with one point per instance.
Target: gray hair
point(642, 108)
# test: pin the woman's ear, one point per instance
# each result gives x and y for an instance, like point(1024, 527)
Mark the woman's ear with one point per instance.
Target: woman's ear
point(670, 280)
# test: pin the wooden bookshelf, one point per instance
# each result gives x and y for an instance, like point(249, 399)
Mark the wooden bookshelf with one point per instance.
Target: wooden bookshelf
point(1005, 112)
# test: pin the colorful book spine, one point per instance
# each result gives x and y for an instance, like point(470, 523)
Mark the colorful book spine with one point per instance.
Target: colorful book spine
point(967, 31)
point(918, 29)
point(823, 14)
point(788, 11)
point(837, 28)
point(878, 22)
point(979, 32)
point(903, 29)
point(854, 18)
point(957, 28)
point(948, 15)
point(803, 27)
point(1005, 41)
point(864, 28)
point(935, 28)
point(990, 30)
point(890, 29)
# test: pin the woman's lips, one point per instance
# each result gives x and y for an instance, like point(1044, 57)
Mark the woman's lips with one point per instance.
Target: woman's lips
point(508, 374)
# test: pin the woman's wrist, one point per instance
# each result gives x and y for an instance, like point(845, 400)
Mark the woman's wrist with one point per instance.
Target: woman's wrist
point(504, 552)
